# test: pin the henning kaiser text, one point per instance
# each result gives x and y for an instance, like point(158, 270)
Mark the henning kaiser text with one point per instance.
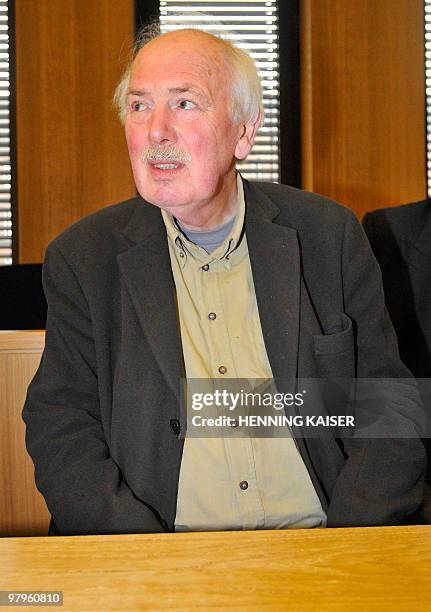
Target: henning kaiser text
point(275, 421)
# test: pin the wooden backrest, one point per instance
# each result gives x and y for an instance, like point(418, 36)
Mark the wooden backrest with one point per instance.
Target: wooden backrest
point(22, 508)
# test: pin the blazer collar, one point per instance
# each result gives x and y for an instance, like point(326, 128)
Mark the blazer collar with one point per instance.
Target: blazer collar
point(146, 218)
point(423, 242)
point(417, 248)
point(145, 221)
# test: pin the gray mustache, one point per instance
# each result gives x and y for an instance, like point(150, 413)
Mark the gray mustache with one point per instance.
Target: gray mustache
point(163, 154)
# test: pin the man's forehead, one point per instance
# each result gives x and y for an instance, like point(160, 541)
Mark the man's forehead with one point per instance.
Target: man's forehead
point(192, 38)
point(180, 50)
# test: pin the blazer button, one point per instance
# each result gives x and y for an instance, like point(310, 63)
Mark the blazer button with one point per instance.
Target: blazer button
point(175, 426)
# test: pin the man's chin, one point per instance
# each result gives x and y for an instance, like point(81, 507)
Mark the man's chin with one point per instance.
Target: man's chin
point(166, 203)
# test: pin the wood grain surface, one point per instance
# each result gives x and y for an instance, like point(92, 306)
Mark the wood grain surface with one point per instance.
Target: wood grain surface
point(22, 508)
point(363, 101)
point(377, 568)
point(22, 341)
point(71, 151)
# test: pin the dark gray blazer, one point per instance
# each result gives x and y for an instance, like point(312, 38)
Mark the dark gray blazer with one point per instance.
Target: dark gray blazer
point(104, 425)
point(401, 240)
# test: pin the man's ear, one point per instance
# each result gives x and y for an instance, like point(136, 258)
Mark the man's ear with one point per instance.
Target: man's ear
point(246, 140)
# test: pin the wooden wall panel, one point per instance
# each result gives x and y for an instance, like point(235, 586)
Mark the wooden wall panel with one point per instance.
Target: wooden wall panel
point(23, 511)
point(72, 156)
point(363, 110)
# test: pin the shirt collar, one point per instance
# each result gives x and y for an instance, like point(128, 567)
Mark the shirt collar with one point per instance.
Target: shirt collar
point(187, 252)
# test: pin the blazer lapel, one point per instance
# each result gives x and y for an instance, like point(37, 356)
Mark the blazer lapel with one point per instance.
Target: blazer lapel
point(146, 269)
point(275, 261)
point(420, 251)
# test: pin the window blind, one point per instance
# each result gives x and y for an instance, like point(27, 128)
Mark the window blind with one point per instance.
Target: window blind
point(253, 26)
point(5, 153)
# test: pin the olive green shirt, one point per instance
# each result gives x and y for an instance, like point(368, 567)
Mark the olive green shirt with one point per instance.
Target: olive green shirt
point(231, 483)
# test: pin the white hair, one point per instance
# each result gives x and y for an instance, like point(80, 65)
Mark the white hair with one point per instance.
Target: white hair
point(246, 100)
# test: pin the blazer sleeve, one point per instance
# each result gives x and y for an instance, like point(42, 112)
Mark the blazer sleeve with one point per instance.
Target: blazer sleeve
point(82, 485)
point(381, 482)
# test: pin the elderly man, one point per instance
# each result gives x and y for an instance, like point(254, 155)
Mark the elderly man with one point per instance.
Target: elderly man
point(207, 276)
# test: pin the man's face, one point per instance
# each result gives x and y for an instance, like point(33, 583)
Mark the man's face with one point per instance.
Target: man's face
point(181, 139)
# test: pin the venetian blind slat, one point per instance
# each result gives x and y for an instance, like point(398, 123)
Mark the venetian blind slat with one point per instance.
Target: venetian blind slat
point(253, 26)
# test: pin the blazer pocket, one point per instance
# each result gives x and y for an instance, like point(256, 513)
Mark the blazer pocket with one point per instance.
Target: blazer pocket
point(335, 353)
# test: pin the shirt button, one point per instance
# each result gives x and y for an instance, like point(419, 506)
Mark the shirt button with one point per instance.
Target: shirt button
point(212, 316)
point(205, 268)
point(222, 369)
point(243, 485)
point(181, 254)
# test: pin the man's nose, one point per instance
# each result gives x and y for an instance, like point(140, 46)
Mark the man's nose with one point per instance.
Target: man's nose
point(161, 128)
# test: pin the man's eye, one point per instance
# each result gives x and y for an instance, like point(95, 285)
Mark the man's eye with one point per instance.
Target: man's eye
point(137, 106)
point(186, 104)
